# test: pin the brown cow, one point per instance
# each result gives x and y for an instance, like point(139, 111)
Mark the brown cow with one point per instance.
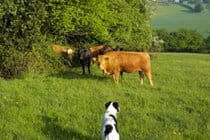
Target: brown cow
point(114, 63)
point(99, 50)
point(67, 53)
point(61, 50)
point(94, 50)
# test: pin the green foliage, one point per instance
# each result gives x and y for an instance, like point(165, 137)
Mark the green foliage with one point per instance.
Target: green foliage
point(182, 40)
point(25, 24)
point(207, 42)
point(14, 62)
point(117, 22)
point(20, 23)
point(20, 31)
point(156, 43)
point(198, 7)
point(208, 6)
point(206, 1)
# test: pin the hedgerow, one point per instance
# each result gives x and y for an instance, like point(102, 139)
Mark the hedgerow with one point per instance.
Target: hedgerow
point(27, 27)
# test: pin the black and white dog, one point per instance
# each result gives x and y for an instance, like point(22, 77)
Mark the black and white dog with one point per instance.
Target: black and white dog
point(109, 124)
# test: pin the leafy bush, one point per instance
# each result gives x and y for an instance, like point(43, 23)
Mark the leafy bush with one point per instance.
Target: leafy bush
point(181, 41)
point(208, 6)
point(22, 39)
point(198, 7)
point(156, 44)
point(21, 23)
point(207, 43)
point(26, 26)
point(206, 1)
point(15, 62)
point(12, 64)
point(118, 22)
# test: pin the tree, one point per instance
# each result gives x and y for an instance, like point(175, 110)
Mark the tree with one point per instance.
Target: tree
point(23, 42)
point(198, 7)
point(208, 6)
point(197, 1)
point(182, 40)
point(119, 22)
point(21, 22)
point(206, 1)
point(26, 26)
point(207, 42)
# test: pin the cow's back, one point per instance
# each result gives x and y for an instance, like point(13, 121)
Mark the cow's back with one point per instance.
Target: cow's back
point(129, 61)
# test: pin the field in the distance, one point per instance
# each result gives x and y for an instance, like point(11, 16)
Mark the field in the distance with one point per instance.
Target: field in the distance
point(67, 105)
point(173, 17)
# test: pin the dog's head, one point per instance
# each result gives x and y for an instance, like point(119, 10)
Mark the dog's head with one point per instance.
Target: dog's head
point(112, 107)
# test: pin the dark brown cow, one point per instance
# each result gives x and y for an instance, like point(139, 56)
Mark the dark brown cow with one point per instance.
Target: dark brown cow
point(99, 50)
point(94, 50)
point(114, 63)
point(85, 59)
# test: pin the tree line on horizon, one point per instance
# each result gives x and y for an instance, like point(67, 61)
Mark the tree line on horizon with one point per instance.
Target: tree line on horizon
point(182, 40)
point(198, 5)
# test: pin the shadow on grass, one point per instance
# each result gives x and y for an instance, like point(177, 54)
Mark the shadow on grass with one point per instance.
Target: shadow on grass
point(75, 75)
point(187, 11)
point(54, 131)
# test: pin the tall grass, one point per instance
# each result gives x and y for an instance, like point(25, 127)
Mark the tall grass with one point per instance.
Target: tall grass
point(67, 105)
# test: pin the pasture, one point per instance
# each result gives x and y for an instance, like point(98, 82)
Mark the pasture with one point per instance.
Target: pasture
point(67, 105)
point(174, 17)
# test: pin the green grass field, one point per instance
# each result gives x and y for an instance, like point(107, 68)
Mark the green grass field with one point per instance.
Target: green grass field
point(66, 105)
point(174, 17)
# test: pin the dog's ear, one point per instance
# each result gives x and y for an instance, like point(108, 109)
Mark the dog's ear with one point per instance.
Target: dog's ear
point(116, 106)
point(107, 104)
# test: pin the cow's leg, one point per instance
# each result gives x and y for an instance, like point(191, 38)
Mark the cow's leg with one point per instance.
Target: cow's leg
point(116, 77)
point(83, 67)
point(121, 74)
point(149, 77)
point(141, 75)
point(89, 67)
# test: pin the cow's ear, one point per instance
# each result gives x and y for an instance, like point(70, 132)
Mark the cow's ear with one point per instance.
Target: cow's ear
point(107, 104)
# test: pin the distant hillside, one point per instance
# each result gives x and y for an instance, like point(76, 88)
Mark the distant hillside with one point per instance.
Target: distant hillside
point(173, 17)
point(177, 1)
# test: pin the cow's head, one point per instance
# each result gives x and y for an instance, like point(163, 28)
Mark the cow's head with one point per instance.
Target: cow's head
point(105, 49)
point(62, 50)
point(69, 51)
point(84, 54)
point(103, 61)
